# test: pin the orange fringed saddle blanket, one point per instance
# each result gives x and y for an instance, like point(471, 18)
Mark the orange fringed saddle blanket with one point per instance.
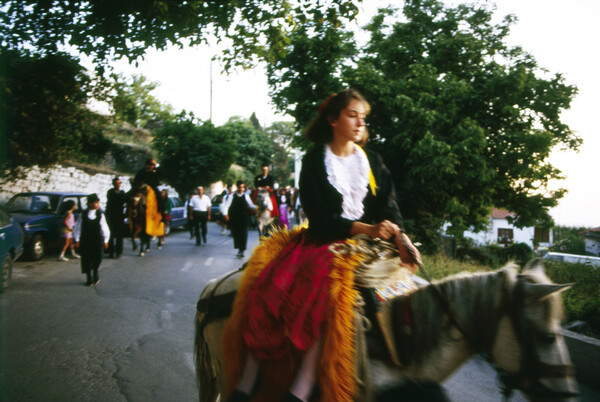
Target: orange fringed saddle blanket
point(336, 367)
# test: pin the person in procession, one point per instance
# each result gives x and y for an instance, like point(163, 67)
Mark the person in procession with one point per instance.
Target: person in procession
point(164, 194)
point(116, 201)
point(67, 230)
point(151, 174)
point(200, 207)
point(344, 191)
point(265, 181)
point(91, 235)
point(238, 215)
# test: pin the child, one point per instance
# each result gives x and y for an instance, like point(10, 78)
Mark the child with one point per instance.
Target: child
point(68, 225)
point(91, 232)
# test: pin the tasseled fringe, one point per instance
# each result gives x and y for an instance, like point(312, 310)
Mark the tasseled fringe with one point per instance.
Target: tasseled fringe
point(337, 373)
point(336, 369)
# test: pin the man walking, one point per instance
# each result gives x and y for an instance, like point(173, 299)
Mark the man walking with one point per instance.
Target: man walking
point(237, 216)
point(115, 217)
point(200, 207)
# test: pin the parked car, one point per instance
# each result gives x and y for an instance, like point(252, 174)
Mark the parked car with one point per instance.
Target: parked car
point(39, 214)
point(11, 246)
point(178, 215)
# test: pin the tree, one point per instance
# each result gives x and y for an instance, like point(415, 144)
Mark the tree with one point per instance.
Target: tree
point(44, 103)
point(281, 134)
point(463, 121)
point(107, 29)
point(309, 70)
point(193, 155)
point(133, 102)
point(253, 147)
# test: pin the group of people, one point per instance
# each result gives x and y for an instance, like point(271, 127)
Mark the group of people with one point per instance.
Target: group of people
point(95, 232)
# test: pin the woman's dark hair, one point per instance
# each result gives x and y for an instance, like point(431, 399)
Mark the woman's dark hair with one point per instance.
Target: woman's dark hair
point(239, 183)
point(66, 206)
point(319, 130)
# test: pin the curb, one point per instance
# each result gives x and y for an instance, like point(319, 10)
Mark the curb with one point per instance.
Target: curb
point(585, 356)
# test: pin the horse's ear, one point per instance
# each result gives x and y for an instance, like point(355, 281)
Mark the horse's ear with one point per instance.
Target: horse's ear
point(537, 291)
point(537, 264)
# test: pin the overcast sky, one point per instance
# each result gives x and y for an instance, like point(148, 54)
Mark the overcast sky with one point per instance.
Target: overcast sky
point(561, 35)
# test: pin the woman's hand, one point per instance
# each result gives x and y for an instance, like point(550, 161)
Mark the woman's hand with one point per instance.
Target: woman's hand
point(384, 230)
point(411, 258)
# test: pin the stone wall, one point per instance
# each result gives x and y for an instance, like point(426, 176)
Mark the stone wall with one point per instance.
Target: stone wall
point(65, 179)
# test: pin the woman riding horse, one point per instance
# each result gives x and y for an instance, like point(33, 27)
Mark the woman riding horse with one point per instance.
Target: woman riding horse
point(345, 191)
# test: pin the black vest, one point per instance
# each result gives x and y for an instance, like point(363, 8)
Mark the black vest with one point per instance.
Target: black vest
point(91, 240)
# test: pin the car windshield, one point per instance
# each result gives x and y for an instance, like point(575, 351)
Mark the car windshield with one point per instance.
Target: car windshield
point(37, 203)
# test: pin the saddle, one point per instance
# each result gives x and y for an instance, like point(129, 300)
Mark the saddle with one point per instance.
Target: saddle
point(385, 289)
point(377, 278)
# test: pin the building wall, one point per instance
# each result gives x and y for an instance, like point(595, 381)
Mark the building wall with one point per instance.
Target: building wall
point(490, 236)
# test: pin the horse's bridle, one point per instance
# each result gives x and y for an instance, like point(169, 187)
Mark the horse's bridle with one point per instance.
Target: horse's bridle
point(532, 370)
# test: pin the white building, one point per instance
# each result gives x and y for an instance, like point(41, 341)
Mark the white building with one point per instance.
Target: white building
point(500, 231)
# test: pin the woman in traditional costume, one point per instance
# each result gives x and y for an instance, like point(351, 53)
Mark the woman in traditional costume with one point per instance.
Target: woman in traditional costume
point(283, 308)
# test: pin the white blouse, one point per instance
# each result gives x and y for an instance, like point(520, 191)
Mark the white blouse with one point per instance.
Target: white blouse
point(350, 177)
point(91, 215)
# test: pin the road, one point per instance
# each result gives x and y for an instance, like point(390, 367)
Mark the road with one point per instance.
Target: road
point(130, 338)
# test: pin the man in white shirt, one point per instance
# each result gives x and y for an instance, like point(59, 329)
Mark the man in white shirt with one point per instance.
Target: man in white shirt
point(200, 208)
point(224, 207)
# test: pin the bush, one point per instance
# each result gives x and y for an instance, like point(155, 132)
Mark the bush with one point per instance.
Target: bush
point(582, 301)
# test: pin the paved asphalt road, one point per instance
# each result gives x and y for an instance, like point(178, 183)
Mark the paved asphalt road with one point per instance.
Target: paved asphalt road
point(131, 337)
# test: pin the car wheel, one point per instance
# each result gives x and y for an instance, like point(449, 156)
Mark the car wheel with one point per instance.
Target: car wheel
point(167, 228)
point(5, 272)
point(36, 247)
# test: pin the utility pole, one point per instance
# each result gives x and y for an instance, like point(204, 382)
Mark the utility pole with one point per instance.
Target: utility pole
point(211, 89)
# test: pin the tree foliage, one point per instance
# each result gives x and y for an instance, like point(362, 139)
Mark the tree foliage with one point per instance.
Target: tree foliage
point(133, 102)
point(106, 29)
point(44, 101)
point(463, 121)
point(192, 155)
point(281, 134)
point(253, 147)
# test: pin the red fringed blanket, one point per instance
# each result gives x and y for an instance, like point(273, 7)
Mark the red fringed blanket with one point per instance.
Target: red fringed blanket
point(336, 368)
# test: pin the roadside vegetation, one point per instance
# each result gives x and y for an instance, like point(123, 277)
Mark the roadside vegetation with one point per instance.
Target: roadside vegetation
point(581, 302)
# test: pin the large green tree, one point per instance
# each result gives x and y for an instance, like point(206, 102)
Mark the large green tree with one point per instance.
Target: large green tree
point(44, 102)
point(107, 29)
point(281, 134)
point(253, 147)
point(133, 102)
point(192, 155)
point(463, 121)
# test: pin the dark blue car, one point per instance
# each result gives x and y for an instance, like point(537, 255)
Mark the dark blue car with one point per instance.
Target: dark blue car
point(11, 246)
point(40, 216)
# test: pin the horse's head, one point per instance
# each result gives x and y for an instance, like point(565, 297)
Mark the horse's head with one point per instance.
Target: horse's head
point(530, 329)
point(262, 199)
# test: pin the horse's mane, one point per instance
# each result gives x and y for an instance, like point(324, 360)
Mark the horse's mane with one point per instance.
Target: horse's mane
point(473, 299)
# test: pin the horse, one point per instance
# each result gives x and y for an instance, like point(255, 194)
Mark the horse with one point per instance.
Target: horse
point(264, 218)
point(136, 215)
point(512, 318)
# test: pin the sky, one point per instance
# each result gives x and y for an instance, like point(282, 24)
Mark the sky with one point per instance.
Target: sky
point(561, 35)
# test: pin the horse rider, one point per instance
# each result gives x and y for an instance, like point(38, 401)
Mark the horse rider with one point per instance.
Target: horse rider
point(151, 174)
point(266, 181)
point(345, 191)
